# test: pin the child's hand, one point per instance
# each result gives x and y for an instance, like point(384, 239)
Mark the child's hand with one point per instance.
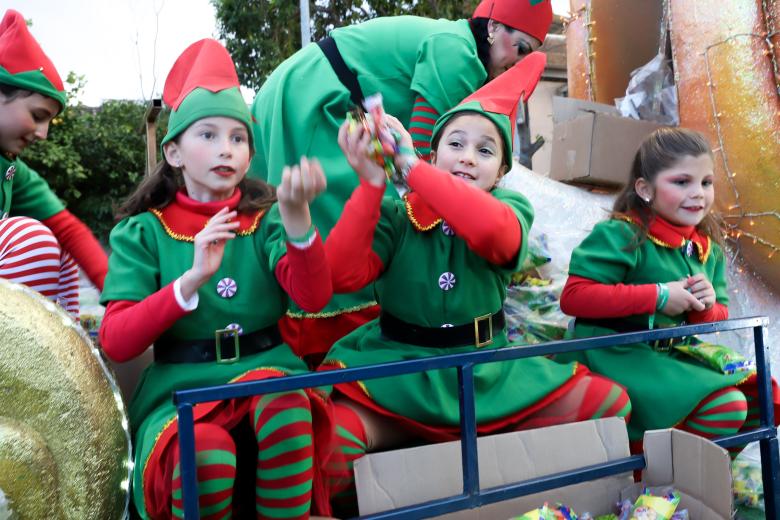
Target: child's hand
point(701, 288)
point(209, 250)
point(406, 157)
point(406, 137)
point(300, 185)
point(355, 145)
point(680, 300)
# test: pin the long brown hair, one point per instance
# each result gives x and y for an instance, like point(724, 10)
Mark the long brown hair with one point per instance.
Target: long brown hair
point(661, 150)
point(159, 189)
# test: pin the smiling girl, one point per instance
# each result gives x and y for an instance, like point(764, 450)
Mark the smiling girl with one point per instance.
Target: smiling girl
point(656, 263)
point(202, 264)
point(442, 259)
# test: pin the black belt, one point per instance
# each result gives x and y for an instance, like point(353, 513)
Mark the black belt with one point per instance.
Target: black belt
point(622, 326)
point(224, 348)
point(346, 76)
point(478, 333)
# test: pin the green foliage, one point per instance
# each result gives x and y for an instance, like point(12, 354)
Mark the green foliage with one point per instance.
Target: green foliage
point(260, 34)
point(93, 158)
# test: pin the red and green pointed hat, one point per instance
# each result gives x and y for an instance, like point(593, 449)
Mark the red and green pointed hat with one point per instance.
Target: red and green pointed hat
point(530, 16)
point(23, 63)
point(203, 83)
point(498, 99)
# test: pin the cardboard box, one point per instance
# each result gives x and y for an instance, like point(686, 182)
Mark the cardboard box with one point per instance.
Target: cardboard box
point(593, 144)
point(697, 468)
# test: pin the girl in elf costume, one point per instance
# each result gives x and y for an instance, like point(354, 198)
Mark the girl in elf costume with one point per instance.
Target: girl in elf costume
point(201, 265)
point(654, 263)
point(422, 68)
point(442, 258)
point(41, 243)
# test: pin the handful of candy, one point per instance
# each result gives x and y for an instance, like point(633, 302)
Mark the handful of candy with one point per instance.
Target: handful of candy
point(385, 141)
point(721, 358)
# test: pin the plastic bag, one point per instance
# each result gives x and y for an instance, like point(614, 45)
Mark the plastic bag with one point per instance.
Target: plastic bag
point(651, 94)
point(748, 480)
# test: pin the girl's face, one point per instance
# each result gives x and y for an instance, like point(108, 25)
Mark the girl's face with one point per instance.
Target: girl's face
point(472, 149)
point(213, 154)
point(508, 47)
point(24, 120)
point(682, 194)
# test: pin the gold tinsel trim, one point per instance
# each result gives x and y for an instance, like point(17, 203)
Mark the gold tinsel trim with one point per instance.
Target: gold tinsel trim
point(341, 364)
point(191, 238)
point(330, 314)
point(413, 219)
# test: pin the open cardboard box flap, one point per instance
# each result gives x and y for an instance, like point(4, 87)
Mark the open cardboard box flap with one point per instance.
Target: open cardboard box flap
point(697, 468)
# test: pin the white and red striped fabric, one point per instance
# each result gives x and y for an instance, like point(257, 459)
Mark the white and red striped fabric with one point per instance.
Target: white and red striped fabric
point(31, 255)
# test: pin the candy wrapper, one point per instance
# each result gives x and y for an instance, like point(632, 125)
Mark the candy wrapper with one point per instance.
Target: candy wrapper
point(721, 358)
point(385, 141)
point(655, 507)
point(547, 512)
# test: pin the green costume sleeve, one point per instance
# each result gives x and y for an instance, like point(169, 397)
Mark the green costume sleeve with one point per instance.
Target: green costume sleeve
point(272, 238)
point(133, 267)
point(447, 70)
point(522, 208)
point(31, 195)
point(719, 279)
point(605, 255)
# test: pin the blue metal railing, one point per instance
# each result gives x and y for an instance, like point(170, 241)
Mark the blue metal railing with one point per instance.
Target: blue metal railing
point(472, 495)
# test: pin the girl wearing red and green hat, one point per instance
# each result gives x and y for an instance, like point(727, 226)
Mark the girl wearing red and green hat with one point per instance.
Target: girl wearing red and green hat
point(203, 265)
point(41, 243)
point(442, 258)
point(656, 263)
point(422, 68)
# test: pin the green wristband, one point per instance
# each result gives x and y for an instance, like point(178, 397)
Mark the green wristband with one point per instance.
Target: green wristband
point(663, 296)
point(305, 239)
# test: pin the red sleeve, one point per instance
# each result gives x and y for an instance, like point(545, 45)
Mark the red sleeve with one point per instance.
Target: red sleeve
point(76, 238)
point(305, 275)
point(586, 298)
point(129, 327)
point(488, 226)
point(717, 312)
point(353, 264)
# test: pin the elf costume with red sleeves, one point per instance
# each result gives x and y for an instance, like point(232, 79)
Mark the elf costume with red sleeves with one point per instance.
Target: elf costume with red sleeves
point(422, 67)
point(247, 295)
point(442, 259)
point(39, 238)
point(612, 287)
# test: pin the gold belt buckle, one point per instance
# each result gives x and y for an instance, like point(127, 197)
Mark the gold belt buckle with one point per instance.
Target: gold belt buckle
point(663, 345)
point(225, 333)
point(477, 321)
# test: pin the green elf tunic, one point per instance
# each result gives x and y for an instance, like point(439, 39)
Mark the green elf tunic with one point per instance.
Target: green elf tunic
point(151, 250)
point(24, 193)
point(433, 279)
point(300, 107)
point(665, 386)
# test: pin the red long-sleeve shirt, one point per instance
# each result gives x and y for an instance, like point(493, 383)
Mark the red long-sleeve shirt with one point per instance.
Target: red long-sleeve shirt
point(488, 226)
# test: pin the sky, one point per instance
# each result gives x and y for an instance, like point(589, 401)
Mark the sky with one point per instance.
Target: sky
point(123, 48)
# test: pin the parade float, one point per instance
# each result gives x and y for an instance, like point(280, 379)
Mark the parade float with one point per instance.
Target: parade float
point(64, 442)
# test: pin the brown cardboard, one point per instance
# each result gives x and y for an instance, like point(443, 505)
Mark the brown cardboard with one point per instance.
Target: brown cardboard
point(592, 144)
point(697, 468)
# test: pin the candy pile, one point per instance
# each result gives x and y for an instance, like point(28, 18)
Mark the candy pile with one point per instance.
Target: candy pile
point(647, 507)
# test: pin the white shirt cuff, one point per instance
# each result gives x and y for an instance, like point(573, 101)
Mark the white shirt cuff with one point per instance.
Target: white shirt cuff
point(305, 244)
point(187, 305)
